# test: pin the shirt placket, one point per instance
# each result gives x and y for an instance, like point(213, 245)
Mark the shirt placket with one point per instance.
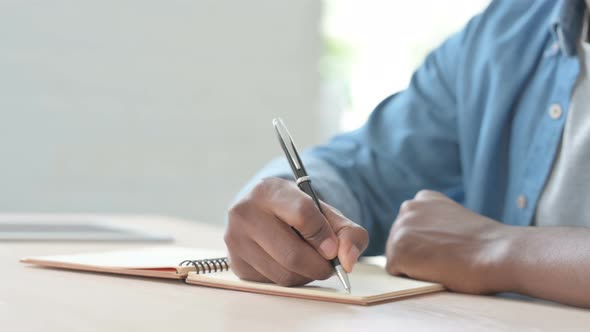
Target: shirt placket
point(546, 140)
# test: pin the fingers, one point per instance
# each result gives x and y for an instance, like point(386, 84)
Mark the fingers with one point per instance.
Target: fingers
point(266, 266)
point(420, 200)
point(297, 209)
point(394, 251)
point(291, 252)
point(413, 214)
point(250, 262)
point(264, 269)
point(353, 239)
point(244, 270)
point(264, 247)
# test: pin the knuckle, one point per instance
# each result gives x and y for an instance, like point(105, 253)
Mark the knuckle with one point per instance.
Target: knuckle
point(424, 193)
point(408, 206)
point(305, 210)
point(413, 208)
point(237, 211)
point(261, 190)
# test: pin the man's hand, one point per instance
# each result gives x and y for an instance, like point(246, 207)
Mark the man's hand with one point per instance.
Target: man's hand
point(436, 239)
point(263, 247)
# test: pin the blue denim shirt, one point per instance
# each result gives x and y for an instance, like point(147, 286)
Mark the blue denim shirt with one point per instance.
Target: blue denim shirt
point(480, 121)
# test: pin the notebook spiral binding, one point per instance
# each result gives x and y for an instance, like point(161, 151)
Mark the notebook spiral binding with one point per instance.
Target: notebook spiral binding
point(209, 265)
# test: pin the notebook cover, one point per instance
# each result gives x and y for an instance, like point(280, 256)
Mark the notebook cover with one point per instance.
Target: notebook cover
point(156, 262)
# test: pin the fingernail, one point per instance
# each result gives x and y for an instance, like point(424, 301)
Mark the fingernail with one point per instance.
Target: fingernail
point(328, 247)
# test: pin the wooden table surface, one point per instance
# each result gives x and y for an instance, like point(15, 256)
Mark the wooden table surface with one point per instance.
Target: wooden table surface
point(40, 299)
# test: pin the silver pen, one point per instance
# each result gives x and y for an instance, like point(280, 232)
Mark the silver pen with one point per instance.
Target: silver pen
point(304, 183)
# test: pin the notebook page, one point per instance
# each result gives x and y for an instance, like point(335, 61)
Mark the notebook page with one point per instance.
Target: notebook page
point(370, 283)
point(148, 258)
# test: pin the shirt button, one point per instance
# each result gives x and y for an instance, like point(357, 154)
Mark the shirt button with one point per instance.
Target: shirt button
point(521, 201)
point(555, 111)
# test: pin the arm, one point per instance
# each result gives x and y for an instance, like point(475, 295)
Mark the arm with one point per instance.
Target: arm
point(548, 262)
point(436, 239)
point(409, 142)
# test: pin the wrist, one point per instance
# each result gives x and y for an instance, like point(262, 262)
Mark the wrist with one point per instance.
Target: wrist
point(497, 259)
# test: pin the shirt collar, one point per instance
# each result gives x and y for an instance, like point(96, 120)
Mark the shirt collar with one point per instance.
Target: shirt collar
point(566, 24)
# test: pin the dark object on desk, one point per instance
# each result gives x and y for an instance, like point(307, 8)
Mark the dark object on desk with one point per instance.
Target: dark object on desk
point(75, 231)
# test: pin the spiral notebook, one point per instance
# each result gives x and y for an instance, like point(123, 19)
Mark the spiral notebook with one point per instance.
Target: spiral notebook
point(370, 283)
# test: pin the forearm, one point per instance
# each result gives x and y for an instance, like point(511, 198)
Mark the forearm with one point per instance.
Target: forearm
point(551, 263)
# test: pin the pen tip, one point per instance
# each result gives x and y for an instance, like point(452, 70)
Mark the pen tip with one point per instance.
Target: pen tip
point(343, 277)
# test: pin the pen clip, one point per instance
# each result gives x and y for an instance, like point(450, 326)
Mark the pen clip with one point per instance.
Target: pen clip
point(288, 147)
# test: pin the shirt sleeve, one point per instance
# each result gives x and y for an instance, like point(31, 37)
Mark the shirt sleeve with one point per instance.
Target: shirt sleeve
point(326, 182)
point(409, 143)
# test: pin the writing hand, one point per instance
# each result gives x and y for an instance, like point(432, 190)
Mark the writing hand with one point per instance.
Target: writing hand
point(263, 247)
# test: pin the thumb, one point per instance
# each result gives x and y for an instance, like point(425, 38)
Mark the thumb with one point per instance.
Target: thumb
point(352, 238)
point(313, 227)
point(295, 208)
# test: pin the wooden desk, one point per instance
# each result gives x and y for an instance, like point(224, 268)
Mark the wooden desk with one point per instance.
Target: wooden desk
point(37, 299)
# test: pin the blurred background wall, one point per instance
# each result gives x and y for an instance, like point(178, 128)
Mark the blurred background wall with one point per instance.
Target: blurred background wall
point(149, 106)
point(165, 106)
